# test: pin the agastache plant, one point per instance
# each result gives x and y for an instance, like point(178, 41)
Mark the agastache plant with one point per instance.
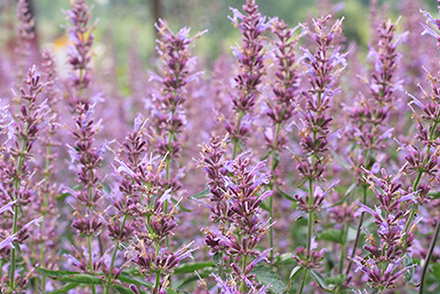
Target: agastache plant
point(423, 160)
point(17, 184)
point(250, 54)
point(168, 113)
point(141, 199)
point(45, 239)
point(323, 68)
point(26, 36)
point(281, 105)
point(369, 128)
point(236, 193)
point(88, 157)
point(383, 266)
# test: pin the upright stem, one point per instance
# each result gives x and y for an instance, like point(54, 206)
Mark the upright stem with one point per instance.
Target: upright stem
point(271, 199)
point(310, 218)
point(358, 232)
point(89, 244)
point(237, 141)
point(343, 248)
point(13, 261)
point(303, 282)
point(243, 269)
point(16, 210)
point(115, 251)
point(428, 256)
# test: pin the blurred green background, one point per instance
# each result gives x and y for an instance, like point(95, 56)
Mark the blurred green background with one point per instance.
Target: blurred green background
point(126, 22)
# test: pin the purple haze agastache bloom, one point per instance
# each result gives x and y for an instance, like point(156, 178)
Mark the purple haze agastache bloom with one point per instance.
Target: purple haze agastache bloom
point(237, 194)
point(26, 34)
point(168, 112)
point(429, 138)
point(250, 56)
point(323, 68)
point(390, 219)
point(81, 40)
point(88, 222)
point(16, 172)
point(286, 89)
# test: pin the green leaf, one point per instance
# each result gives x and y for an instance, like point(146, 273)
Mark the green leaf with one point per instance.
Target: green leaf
point(265, 206)
point(285, 195)
point(296, 270)
point(181, 206)
point(200, 195)
point(172, 291)
point(192, 267)
point(409, 264)
point(80, 278)
point(64, 289)
point(285, 258)
point(266, 276)
point(333, 235)
point(55, 274)
point(122, 289)
point(217, 258)
point(192, 278)
point(337, 280)
point(130, 279)
point(436, 270)
point(320, 280)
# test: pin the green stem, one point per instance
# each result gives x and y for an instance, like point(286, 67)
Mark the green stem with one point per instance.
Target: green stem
point(243, 269)
point(237, 141)
point(343, 249)
point(310, 218)
point(428, 257)
point(303, 282)
point(358, 231)
point(43, 265)
point(89, 244)
point(273, 183)
point(13, 261)
point(221, 265)
point(415, 208)
point(115, 251)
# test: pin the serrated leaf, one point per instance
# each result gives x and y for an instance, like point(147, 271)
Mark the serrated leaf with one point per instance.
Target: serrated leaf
point(80, 278)
point(285, 195)
point(266, 276)
point(55, 274)
point(332, 235)
point(200, 195)
point(320, 280)
point(129, 279)
point(337, 280)
point(64, 289)
point(192, 267)
point(122, 289)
